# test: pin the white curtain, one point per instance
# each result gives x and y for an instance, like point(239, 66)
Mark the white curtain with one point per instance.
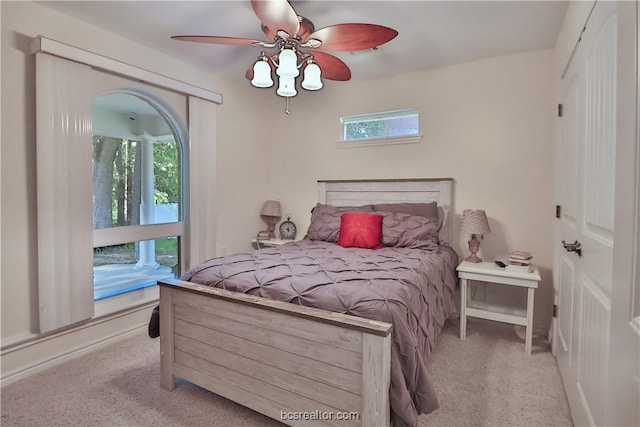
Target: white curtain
point(65, 229)
point(202, 184)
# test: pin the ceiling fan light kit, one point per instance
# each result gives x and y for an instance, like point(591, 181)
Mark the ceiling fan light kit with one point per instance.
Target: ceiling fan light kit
point(312, 77)
point(287, 87)
point(262, 73)
point(300, 46)
point(287, 63)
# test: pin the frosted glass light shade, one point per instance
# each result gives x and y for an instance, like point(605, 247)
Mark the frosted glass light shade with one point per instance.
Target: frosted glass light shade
point(287, 64)
point(262, 74)
point(287, 87)
point(312, 77)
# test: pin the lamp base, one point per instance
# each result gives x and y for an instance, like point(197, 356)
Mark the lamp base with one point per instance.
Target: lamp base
point(473, 258)
point(474, 246)
point(271, 228)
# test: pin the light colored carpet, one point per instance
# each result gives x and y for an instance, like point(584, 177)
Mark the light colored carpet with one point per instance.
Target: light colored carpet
point(486, 380)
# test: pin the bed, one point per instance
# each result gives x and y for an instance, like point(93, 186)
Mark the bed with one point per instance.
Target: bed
point(313, 333)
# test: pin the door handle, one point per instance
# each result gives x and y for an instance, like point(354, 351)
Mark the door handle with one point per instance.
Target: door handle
point(573, 247)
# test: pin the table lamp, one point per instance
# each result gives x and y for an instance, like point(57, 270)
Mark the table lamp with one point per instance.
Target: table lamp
point(474, 222)
point(271, 214)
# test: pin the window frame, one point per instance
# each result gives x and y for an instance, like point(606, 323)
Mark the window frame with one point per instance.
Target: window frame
point(374, 141)
point(65, 232)
point(136, 233)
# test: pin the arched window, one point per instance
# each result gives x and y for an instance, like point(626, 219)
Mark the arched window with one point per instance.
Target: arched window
point(137, 185)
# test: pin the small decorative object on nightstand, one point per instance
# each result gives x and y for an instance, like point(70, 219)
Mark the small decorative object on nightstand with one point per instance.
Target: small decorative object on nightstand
point(474, 222)
point(288, 229)
point(271, 214)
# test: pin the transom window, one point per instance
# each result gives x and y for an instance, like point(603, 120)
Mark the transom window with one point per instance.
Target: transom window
point(385, 127)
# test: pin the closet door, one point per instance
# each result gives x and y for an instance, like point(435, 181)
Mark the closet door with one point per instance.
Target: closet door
point(623, 388)
point(585, 239)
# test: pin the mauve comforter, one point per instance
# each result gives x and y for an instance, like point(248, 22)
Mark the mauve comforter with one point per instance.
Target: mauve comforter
point(413, 289)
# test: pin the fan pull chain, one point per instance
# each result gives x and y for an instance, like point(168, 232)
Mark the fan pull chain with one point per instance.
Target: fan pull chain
point(286, 110)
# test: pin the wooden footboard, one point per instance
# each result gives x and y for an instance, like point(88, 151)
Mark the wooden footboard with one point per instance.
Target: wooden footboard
point(298, 365)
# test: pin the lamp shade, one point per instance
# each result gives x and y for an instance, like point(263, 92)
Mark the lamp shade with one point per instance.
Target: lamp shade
point(312, 77)
point(287, 87)
point(287, 64)
point(271, 208)
point(262, 74)
point(474, 222)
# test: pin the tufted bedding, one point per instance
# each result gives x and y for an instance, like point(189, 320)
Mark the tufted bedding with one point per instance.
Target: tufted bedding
point(413, 289)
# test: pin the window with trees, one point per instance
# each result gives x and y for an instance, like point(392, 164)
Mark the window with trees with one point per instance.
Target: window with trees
point(385, 127)
point(137, 197)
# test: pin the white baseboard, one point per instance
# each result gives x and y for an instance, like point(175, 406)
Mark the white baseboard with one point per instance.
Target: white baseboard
point(29, 358)
point(43, 365)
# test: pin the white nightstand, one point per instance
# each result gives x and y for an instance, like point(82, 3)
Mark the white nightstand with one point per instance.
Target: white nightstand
point(490, 272)
point(269, 243)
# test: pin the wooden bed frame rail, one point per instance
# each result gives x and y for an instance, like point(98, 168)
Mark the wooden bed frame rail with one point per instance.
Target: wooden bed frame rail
point(296, 364)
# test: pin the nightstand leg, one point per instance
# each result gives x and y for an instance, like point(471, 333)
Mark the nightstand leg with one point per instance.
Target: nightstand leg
point(463, 308)
point(529, 337)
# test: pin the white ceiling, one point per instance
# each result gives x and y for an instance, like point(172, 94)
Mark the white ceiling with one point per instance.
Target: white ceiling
point(431, 33)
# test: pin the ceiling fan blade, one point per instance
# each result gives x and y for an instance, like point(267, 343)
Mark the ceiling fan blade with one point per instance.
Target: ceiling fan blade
point(332, 67)
point(217, 40)
point(277, 15)
point(353, 37)
point(271, 34)
point(306, 28)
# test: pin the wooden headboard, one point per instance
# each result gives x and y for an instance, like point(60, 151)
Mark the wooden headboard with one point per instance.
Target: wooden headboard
point(370, 191)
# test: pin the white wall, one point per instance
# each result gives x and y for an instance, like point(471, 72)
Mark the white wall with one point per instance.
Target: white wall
point(239, 168)
point(488, 124)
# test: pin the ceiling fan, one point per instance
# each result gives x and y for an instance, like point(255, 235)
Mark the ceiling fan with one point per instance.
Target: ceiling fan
point(299, 45)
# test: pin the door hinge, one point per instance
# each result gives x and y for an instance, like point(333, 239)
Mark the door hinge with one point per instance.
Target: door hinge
point(559, 110)
point(558, 211)
point(555, 310)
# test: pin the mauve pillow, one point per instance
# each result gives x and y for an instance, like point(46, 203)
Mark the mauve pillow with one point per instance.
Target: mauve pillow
point(427, 210)
point(325, 221)
point(360, 230)
point(409, 231)
point(442, 220)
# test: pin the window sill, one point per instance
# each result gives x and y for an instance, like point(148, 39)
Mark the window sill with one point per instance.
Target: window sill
point(414, 139)
point(126, 301)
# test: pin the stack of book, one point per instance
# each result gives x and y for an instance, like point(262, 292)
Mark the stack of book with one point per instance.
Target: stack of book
point(520, 261)
point(263, 235)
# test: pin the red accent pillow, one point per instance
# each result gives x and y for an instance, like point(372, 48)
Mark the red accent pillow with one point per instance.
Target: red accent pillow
point(360, 230)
